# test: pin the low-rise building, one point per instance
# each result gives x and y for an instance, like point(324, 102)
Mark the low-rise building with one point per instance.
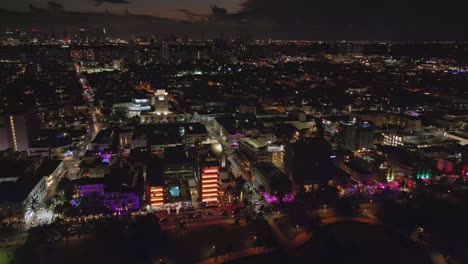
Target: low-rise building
point(415, 139)
point(22, 189)
point(273, 180)
point(382, 119)
point(261, 151)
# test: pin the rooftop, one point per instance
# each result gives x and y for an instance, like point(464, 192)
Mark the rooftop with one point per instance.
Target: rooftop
point(48, 167)
point(14, 168)
point(18, 191)
point(175, 155)
point(272, 174)
point(104, 136)
point(235, 125)
point(252, 143)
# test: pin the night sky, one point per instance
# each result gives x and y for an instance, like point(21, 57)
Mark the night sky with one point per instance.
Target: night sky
point(290, 19)
point(161, 8)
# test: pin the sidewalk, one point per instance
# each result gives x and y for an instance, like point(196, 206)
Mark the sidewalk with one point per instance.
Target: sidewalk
point(249, 252)
point(291, 246)
point(284, 243)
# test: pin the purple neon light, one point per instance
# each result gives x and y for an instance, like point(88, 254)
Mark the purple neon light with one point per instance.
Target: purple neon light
point(288, 198)
point(270, 198)
point(238, 135)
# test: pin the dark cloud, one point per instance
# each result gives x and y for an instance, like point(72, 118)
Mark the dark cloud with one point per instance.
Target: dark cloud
point(362, 19)
point(218, 11)
point(280, 19)
point(100, 2)
point(52, 5)
point(345, 12)
point(191, 14)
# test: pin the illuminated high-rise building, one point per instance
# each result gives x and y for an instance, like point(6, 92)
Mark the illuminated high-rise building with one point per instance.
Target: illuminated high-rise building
point(164, 50)
point(161, 103)
point(14, 133)
point(357, 135)
point(308, 163)
point(209, 179)
point(4, 138)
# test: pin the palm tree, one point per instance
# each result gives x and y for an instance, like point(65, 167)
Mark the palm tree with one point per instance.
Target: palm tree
point(62, 229)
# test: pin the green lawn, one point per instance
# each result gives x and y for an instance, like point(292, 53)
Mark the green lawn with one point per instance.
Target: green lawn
point(4, 259)
point(187, 246)
point(350, 243)
point(287, 228)
point(197, 243)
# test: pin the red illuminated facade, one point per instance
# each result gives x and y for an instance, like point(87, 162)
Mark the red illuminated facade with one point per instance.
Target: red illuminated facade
point(156, 196)
point(464, 172)
point(209, 184)
point(444, 165)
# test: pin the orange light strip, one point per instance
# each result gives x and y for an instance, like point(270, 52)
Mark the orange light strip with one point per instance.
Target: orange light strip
point(209, 181)
point(211, 171)
point(209, 194)
point(209, 185)
point(205, 173)
point(209, 189)
point(209, 176)
point(210, 200)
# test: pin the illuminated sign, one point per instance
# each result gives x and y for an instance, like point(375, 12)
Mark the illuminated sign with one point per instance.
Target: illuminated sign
point(275, 148)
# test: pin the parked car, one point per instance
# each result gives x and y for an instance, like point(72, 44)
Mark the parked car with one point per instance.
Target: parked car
point(197, 216)
point(223, 213)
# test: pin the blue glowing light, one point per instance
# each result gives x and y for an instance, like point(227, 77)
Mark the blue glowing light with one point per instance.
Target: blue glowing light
point(174, 191)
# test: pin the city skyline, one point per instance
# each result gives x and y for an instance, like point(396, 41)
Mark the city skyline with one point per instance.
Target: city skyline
point(298, 19)
point(253, 131)
point(178, 10)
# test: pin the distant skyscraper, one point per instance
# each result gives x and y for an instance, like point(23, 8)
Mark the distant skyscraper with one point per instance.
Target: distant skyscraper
point(161, 103)
point(308, 163)
point(222, 49)
point(209, 178)
point(164, 50)
point(357, 135)
point(83, 36)
point(4, 138)
point(14, 133)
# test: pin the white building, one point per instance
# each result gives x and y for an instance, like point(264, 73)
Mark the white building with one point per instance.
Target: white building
point(161, 104)
point(133, 108)
point(21, 196)
point(157, 105)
